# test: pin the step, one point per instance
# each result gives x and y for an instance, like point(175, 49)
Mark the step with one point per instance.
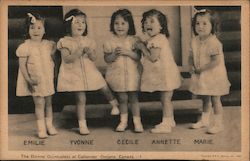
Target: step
point(103, 110)
point(233, 99)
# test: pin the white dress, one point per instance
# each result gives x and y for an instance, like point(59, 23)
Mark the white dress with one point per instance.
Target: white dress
point(213, 81)
point(40, 67)
point(123, 74)
point(81, 74)
point(162, 75)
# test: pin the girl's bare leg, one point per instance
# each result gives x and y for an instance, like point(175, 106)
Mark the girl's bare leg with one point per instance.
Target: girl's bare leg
point(49, 116)
point(81, 112)
point(123, 102)
point(112, 100)
point(204, 120)
point(39, 112)
point(133, 99)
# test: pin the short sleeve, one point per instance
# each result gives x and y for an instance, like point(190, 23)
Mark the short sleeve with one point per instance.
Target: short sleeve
point(64, 43)
point(107, 48)
point(23, 50)
point(154, 43)
point(214, 48)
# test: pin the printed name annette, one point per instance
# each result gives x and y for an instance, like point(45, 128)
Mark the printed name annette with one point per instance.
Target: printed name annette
point(121, 142)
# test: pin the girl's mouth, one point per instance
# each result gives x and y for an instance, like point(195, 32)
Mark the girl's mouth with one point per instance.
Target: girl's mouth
point(149, 29)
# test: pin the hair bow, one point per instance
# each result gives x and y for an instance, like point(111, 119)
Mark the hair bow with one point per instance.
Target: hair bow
point(200, 11)
point(33, 18)
point(70, 17)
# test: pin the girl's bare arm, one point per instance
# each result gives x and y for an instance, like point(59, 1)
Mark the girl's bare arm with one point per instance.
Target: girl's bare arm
point(24, 70)
point(91, 53)
point(70, 57)
point(215, 60)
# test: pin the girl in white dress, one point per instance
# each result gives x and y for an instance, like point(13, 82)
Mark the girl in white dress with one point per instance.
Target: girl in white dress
point(36, 73)
point(123, 75)
point(209, 75)
point(160, 72)
point(78, 72)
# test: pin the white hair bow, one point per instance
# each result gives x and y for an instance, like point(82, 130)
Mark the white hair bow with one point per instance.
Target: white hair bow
point(199, 11)
point(70, 17)
point(33, 18)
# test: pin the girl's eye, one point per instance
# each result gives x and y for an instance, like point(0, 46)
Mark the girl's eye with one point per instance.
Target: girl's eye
point(204, 23)
point(197, 23)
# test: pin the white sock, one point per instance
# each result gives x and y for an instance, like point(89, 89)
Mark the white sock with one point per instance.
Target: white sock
point(49, 121)
point(82, 123)
point(137, 119)
point(124, 118)
point(168, 120)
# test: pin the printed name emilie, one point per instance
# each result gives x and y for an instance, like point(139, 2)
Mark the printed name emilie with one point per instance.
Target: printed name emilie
point(33, 142)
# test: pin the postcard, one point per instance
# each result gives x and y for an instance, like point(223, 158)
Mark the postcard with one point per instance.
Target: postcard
point(124, 80)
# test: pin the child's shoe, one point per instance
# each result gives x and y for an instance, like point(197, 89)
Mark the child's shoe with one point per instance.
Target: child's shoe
point(137, 124)
point(218, 125)
point(83, 129)
point(115, 109)
point(166, 120)
point(50, 128)
point(162, 128)
point(203, 122)
point(123, 123)
point(121, 127)
point(42, 132)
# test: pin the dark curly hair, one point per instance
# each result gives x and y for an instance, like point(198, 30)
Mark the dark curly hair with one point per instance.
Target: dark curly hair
point(127, 15)
point(161, 18)
point(67, 24)
point(28, 22)
point(213, 17)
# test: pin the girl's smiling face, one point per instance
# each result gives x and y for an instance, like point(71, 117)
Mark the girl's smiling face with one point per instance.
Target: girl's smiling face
point(152, 26)
point(78, 25)
point(36, 30)
point(203, 26)
point(121, 26)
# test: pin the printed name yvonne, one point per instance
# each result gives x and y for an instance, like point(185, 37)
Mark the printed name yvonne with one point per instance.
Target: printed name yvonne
point(82, 142)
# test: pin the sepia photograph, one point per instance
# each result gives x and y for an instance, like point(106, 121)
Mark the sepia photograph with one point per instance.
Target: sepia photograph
point(124, 80)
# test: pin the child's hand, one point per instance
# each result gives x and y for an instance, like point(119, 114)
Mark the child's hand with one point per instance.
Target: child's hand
point(139, 45)
point(86, 50)
point(122, 51)
point(197, 71)
point(31, 84)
